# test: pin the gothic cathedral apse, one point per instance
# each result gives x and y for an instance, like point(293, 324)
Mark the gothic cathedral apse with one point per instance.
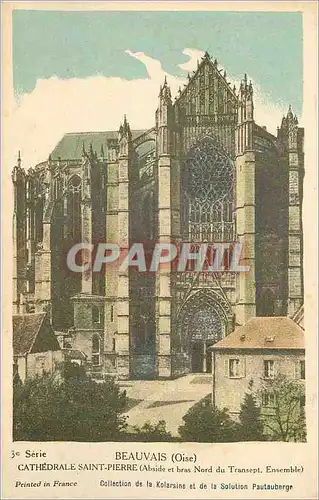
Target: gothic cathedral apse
point(205, 173)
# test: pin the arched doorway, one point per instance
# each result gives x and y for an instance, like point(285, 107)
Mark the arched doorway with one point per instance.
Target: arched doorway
point(204, 329)
point(204, 321)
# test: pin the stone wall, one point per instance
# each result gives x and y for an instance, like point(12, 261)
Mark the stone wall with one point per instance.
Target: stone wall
point(39, 363)
point(229, 392)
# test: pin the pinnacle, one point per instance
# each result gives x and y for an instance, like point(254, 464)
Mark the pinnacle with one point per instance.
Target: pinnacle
point(125, 128)
point(290, 115)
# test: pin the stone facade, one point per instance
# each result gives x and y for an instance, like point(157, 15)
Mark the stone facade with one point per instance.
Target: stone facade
point(36, 349)
point(229, 392)
point(252, 357)
point(38, 364)
point(206, 172)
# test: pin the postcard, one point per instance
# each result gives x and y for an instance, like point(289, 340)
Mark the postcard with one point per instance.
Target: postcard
point(159, 250)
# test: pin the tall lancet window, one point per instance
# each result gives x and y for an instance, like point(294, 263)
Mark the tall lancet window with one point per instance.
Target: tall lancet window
point(208, 193)
point(74, 208)
point(39, 219)
point(96, 360)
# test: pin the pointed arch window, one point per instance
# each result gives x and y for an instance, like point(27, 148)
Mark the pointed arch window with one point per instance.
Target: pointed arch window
point(39, 220)
point(96, 315)
point(74, 207)
point(96, 350)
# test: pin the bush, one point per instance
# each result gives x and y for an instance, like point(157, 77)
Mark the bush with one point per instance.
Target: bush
point(251, 426)
point(204, 423)
point(68, 408)
point(150, 432)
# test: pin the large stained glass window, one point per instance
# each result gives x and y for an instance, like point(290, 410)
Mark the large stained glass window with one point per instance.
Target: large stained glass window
point(208, 193)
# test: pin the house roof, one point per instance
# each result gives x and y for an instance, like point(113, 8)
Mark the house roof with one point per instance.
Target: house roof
point(276, 332)
point(25, 330)
point(71, 145)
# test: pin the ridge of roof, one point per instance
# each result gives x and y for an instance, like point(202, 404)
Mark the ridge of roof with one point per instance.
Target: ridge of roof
point(70, 146)
point(97, 132)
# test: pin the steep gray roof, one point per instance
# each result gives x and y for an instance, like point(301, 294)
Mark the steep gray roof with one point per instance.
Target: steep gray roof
point(275, 332)
point(25, 330)
point(71, 145)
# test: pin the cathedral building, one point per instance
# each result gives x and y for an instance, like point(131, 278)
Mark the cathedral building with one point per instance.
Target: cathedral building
point(205, 173)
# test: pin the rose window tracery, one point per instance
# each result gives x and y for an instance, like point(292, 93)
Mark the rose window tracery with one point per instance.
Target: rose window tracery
point(208, 193)
point(210, 172)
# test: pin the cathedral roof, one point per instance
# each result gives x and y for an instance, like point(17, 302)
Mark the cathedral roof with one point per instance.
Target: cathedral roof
point(71, 145)
point(274, 332)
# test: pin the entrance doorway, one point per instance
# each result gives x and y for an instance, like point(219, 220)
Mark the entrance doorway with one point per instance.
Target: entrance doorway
point(201, 357)
point(204, 322)
point(197, 354)
point(204, 329)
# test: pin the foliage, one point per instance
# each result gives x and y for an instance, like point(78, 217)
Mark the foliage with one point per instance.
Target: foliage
point(251, 426)
point(70, 370)
point(285, 420)
point(204, 423)
point(68, 408)
point(150, 432)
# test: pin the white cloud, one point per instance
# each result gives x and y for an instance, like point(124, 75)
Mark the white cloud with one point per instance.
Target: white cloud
point(153, 66)
point(194, 56)
point(39, 119)
point(267, 112)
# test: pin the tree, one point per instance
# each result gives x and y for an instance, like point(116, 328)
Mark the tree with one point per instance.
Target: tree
point(71, 370)
point(251, 426)
point(68, 408)
point(150, 432)
point(204, 423)
point(285, 419)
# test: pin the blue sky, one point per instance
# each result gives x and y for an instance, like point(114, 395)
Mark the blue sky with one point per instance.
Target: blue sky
point(268, 46)
point(81, 71)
